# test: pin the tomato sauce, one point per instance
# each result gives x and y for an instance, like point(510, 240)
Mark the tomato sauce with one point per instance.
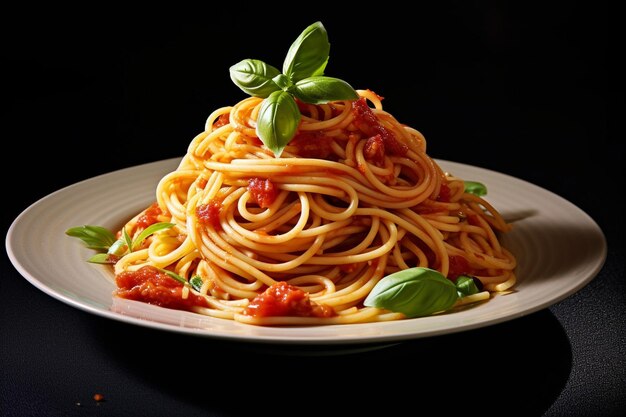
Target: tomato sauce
point(348, 268)
point(263, 191)
point(255, 141)
point(152, 286)
point(374, 150)
point(312, 144)
point(201, 182)
point(459, 266)
point(473, 219)
point(444, 194)
point(368, 123)
point(209, 214)
point(283, 299)
point(224, 119)
point(150, 216)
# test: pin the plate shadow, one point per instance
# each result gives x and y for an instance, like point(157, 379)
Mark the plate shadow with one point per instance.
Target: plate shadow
point(513, 368)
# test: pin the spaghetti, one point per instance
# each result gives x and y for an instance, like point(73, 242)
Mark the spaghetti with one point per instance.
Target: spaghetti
point(303, 239)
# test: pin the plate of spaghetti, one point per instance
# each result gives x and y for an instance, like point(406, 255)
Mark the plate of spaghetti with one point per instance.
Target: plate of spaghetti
point(306, 213)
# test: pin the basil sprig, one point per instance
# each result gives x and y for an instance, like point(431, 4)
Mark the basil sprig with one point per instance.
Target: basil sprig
point(417, 292)
point(476, 188)
point(466, 285)
point(103, 240)
point(302, 78)
point(277, 122)
point(254, 77)
point(308, 55)
point(95, 237)
point(195, 282)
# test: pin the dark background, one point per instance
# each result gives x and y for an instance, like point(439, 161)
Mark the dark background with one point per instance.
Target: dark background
point(517, 89)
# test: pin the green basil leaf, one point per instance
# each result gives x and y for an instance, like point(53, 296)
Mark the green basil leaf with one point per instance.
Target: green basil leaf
point(254, 77)
point(118, 248)
point(196, 282)
point(100, 258)
point(321, 89)
point(414, 292)
point(278, 121)
point(175, 276)
point(475, 188)
point(153, 228)
point(308, 55)
point(127, 240)
point(282, 81)
point(465, 286)
point(95, 237)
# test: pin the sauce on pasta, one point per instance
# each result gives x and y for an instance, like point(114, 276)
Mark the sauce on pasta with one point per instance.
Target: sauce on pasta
point(303, 238)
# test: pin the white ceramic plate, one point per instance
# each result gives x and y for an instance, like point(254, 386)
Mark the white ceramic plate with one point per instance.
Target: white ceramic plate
point(559, 250)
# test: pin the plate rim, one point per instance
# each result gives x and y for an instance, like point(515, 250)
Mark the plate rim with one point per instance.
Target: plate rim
point(288, 340)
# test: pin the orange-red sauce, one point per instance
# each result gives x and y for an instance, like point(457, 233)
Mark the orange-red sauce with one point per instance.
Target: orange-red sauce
point(348, 268)
point(368, 123)
point(209, 214)
point(263, 191)
point(222, 120)
point(458, 265)
point(444, 193)
point(283, 299)
point(312, 144)
point(150, 216)
point(152, 286)
point(374, 150)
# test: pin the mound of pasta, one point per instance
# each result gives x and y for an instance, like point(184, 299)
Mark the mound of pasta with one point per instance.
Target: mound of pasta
point(304, 238)
point(307, 203)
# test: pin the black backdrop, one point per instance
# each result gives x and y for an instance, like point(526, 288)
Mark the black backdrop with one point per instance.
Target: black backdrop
point(477, 80)
point(514, 88)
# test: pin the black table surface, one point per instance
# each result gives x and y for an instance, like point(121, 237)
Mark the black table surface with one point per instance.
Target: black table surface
point(513, 89)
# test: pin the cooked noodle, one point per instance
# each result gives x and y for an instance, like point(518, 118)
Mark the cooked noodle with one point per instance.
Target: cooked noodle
point(353, 198)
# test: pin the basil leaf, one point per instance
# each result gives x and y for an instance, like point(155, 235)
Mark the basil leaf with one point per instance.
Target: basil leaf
point(153, 228)
point(321, 89)
point(465, 286)
point(95, 237)
point(127, 239)
point(254, 77)
point(100, 258)
point(175, 276)
point(118, 248)
point(278, 121)
point(414, 292)
point(196, 282)
point(282, 81)
point(302, 78)
point(308, 54)
point(475, 188)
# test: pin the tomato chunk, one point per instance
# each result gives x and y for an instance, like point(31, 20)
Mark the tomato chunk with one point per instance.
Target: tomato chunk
point(263, 191)
point(283, 299)
point(152, 286)
point(209, 214)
